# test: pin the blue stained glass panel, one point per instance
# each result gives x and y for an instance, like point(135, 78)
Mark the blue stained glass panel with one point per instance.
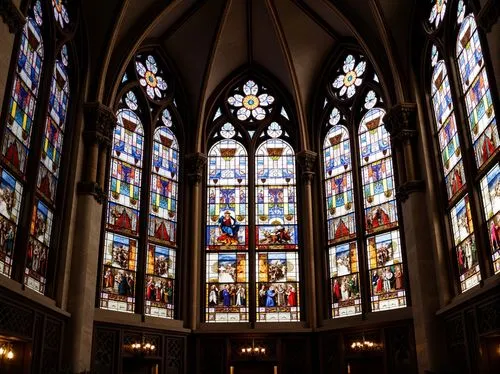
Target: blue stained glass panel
point(24, 95)
point(125, 184)
point(469, 53)
point(275, 163)
point(441, 94)
point(10, 202)
point(449, 143)
point(164, 187)
point(338, 184)
point(128, 138)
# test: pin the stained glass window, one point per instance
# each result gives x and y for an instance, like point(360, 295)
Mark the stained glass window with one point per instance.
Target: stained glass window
point(475, 84)
point(48, 171)
point(490, 191)
point(449, 143)
point(254, 104)
point(341, 221)
point(465, 197)
point(370, 186)
point(160, 272)
point(227, 231)
point(150, 77)
point(17, 134)
point(350, 77)
point(60, 13)
point(437, 12)
point(385, 260)
point(121, 244)
point(265, 241)
point(16, 143)
point(276, 229)
point(10, 201)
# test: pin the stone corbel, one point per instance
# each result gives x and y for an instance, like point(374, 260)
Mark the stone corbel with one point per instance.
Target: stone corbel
point(307, 160)
point(401, 123)
point(12, 16)
point(405, 190)
point(195, 165)
point(488, 15)
point(93, 189)
point(100, 122)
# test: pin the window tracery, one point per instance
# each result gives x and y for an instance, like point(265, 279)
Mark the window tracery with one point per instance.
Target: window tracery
point(25, 165)
point(465, 119)
point(357, 152)
point(141, 237)
point(236, 240)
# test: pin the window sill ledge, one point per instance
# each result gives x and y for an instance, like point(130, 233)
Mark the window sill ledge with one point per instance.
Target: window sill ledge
point(136, 320)
point(31, 295)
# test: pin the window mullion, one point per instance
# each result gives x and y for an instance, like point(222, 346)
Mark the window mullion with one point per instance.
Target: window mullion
point(364, 279)
point(252, 229)
point(143, 221)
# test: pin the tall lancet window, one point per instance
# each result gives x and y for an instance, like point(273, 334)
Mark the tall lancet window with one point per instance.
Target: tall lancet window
point(252, 242)
point(33, 151)
point(141, 238)
point(467, 139)
point(362, 228)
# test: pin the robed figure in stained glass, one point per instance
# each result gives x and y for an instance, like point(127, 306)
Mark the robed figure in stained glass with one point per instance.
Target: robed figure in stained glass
point(228, 228)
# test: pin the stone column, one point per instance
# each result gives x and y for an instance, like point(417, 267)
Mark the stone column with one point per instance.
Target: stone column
point(195, 166)
point(99, 124)
point(401, 122)
point(307, 161)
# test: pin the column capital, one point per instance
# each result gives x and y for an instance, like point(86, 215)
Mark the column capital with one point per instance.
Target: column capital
point(404, 191)
point(401, 122)
point(488, 15)
point(195, 164)
point(307, 159)
point(93, 189)
point(100, 122)
point(12, 16)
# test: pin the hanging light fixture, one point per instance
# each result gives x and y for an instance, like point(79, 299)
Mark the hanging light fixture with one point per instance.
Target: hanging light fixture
point(141, 348)
point(253, 350)
point(6, 351)
point(365, 345)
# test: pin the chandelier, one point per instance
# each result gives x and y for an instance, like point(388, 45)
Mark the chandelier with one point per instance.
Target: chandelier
point(142, 348)
point(365, 345)
point(253, 350)
point(6, 352)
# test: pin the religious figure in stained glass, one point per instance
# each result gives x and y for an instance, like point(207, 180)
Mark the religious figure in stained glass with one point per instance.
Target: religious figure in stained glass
point(121, 244)
point(475, 85)
point(274, 226)
point(449, 142)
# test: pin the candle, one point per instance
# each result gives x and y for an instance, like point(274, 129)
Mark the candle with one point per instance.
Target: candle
point(275, 370)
